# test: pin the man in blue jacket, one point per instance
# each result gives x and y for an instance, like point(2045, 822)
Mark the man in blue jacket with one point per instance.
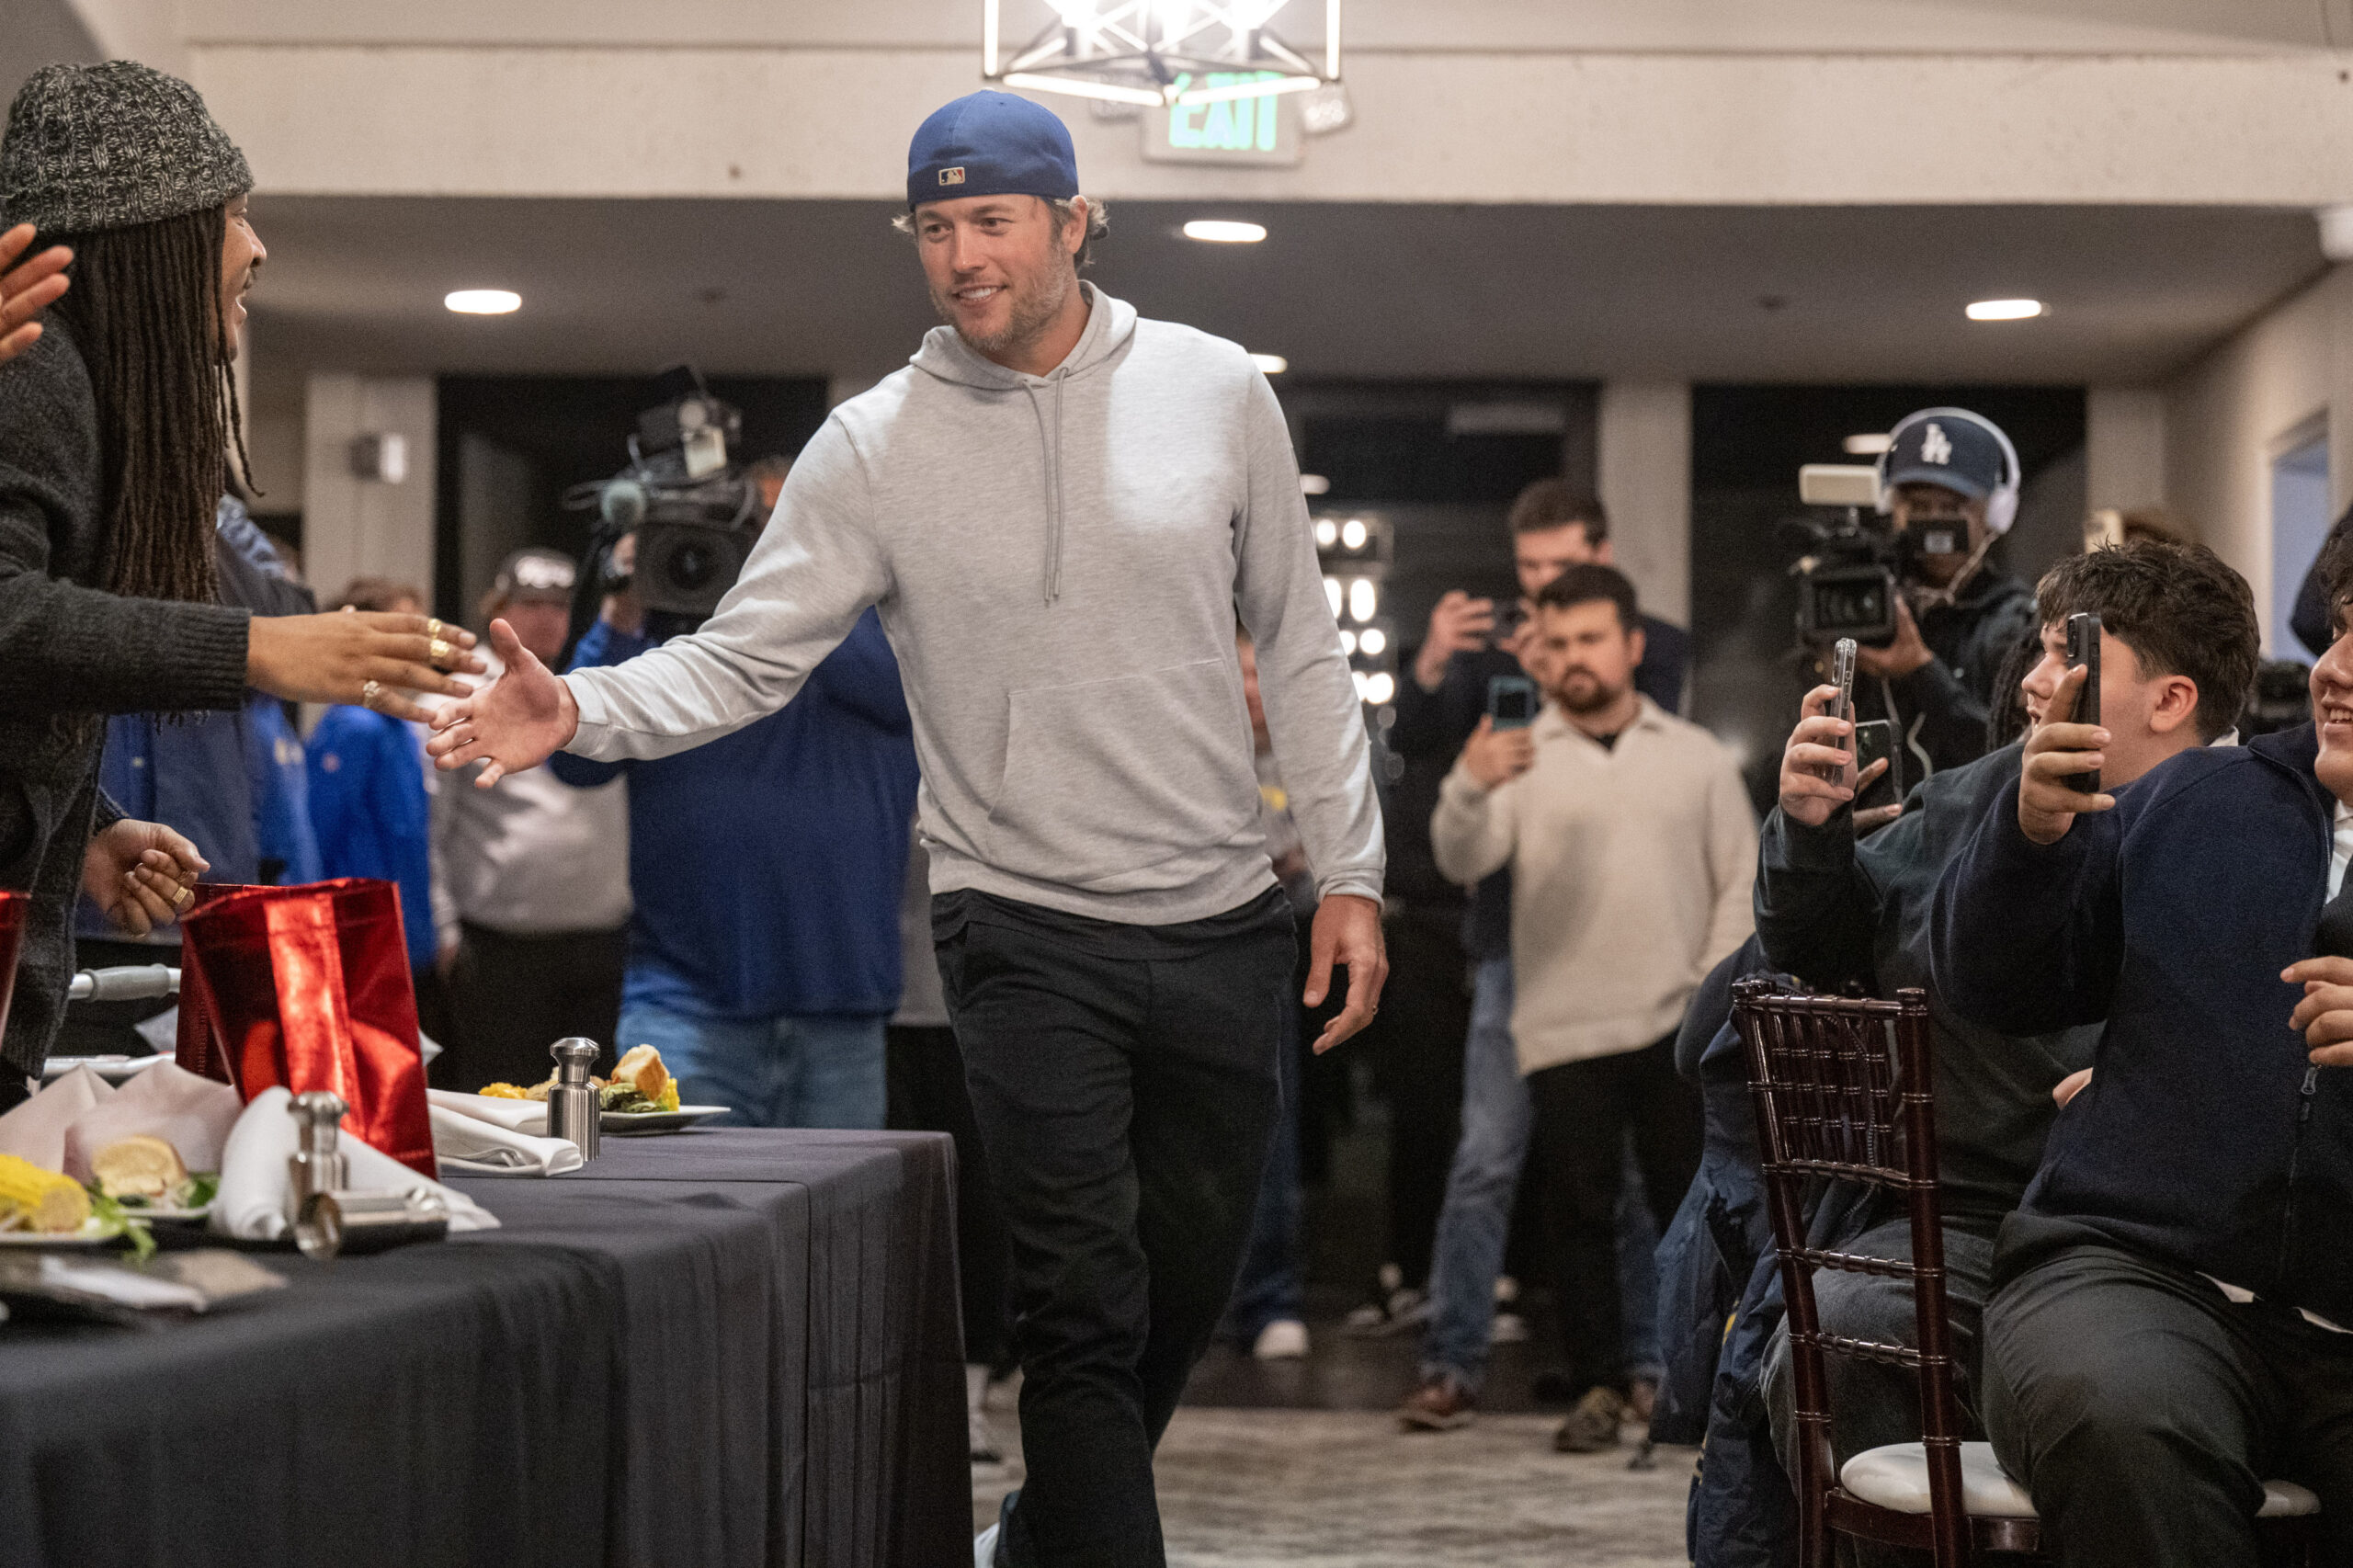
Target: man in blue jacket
point(765, 869)
point(2172, 1298)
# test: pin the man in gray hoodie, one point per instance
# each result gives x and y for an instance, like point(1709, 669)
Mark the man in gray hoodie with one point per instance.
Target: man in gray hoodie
point(1060, 510)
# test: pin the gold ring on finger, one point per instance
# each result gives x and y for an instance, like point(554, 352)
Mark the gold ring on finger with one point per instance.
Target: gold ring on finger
point(432, 628)
point(182, 897)
point(368, 693)
point(437, 651)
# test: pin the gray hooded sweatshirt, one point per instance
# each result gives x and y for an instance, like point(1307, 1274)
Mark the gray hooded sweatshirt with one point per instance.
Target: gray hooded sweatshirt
point(1059, 562)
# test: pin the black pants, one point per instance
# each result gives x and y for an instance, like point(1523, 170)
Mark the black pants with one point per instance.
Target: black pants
point(1583, 1111)
point(1123, 1079)
point(926, 1077)
point(2144, 1411)
point(512, 997)
point(1417, 1065)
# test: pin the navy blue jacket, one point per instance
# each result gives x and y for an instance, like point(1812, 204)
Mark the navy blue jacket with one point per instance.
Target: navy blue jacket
point(766, 866)
point(2206, 1138)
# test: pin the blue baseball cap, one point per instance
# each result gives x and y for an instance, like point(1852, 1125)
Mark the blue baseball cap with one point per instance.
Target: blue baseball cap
point(1950, 447)
point(991, 145)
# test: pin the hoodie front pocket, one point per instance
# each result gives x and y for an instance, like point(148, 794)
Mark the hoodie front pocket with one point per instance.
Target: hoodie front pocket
point(1107, 779)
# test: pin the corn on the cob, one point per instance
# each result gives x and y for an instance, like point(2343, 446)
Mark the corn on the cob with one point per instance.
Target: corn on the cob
point(48, 1201)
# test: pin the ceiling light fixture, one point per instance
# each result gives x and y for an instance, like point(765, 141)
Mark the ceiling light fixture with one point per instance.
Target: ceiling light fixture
point(1271, 364)
point(483, 301)
point(1160, 54)
point(1224, 232)
point(2008, 310)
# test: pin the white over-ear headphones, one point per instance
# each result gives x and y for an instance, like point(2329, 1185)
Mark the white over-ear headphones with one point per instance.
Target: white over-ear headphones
point(2001, 506)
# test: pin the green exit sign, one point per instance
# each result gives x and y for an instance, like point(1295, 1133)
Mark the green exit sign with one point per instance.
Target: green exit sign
point(1229, 131)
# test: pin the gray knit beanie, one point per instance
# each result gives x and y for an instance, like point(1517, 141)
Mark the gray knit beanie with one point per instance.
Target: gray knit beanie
point(93, 147)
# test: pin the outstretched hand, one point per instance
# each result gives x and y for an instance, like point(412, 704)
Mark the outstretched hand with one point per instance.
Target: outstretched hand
point(26, 290)
point(518, 721)
point(1347, 931)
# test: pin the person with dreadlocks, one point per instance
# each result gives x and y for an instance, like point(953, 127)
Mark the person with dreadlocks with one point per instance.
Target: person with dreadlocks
point(117, 425)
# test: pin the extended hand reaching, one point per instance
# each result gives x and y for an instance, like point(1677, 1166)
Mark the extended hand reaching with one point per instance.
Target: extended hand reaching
point(518, 721)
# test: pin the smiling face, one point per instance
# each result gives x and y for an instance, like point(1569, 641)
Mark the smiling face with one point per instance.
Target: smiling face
point(1001, 268)
point(2332, 688)
point(240, 258)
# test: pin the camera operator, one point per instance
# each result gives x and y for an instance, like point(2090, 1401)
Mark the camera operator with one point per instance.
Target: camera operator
point(1950, 487)
point(764, 946)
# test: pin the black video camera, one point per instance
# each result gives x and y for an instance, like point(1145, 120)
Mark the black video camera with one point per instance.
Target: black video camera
point(1852, 569)
point(695, 516)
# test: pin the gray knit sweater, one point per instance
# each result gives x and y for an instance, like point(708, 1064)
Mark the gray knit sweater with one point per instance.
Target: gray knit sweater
point(70, 654)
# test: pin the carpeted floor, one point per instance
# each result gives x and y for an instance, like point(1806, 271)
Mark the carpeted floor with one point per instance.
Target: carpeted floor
point(1347, 1489)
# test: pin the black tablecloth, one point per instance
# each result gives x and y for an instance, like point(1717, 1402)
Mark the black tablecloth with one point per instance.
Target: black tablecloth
point(725, 1347)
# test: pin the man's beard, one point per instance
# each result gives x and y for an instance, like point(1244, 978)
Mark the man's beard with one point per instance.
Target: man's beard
point(1588, 695)
point(1037, 300)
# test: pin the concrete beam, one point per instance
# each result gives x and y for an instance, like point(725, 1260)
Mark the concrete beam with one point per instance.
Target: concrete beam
point(1523, 127)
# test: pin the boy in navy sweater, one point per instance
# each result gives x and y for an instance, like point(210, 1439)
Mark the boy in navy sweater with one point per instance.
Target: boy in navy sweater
point(2168, 1327)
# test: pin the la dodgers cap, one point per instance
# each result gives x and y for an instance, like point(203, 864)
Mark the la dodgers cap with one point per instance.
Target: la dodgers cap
point(1962, 454)
point(990, 143)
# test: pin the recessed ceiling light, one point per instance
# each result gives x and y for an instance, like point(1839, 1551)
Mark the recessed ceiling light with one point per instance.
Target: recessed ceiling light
point(1868, 446)
point(1221, 230)
point(1272, 364)
point(483, 301)
point(2007, 310)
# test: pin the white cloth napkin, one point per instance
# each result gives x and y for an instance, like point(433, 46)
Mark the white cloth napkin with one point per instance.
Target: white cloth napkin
point(255, 1185)
point(192, 1114)
point(34, 1131)
point(515, 1116)
point(476, 1147)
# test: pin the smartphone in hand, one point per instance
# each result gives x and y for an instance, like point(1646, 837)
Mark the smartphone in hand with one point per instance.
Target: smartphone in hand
point(1874, 739)
point(1842, 676)
point(1512, 702)
point(2083, 654)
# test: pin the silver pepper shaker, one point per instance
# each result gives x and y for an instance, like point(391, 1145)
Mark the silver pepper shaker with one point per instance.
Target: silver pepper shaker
point(574, 1111)
point(316, 1164)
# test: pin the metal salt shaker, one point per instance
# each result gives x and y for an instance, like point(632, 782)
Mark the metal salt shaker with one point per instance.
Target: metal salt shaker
point(317, 1164)
point(574, 1111)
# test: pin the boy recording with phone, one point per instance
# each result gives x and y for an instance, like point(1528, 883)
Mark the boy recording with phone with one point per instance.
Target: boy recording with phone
point(2168, 634)
point(2172, 1321)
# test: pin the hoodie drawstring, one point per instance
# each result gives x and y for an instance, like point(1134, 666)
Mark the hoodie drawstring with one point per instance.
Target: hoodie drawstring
point(1054, 460)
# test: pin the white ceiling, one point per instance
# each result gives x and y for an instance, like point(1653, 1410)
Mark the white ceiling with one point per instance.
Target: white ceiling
point(1776, 294)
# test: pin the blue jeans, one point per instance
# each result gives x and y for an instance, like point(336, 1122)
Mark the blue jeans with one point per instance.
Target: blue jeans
point(1476, 1218)
point(1475, 1222)
point(779, 1072)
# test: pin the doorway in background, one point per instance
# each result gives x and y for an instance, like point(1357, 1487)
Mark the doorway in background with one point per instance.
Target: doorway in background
point(2299, 520)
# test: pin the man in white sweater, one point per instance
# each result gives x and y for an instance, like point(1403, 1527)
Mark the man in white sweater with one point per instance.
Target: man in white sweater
point(1060, 508)
point(1632, 850)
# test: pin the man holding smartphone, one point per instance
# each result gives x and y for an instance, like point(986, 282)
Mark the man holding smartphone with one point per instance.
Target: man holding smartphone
point(1059, 508)
point(1554, 529)
point(1833, 907)
point(2172, 1320)
point(1633, 848)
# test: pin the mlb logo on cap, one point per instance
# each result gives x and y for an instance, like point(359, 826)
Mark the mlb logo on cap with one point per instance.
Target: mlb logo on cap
point(952, 176)
point(989, 143)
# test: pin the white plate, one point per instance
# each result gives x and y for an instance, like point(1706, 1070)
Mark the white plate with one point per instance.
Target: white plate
point(633, 1123)
point(113, 1069)
point(95, 1231)
point(172, 1215)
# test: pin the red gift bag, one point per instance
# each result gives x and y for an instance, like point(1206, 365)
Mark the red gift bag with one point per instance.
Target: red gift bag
point(309, 987)
point(13, 907)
